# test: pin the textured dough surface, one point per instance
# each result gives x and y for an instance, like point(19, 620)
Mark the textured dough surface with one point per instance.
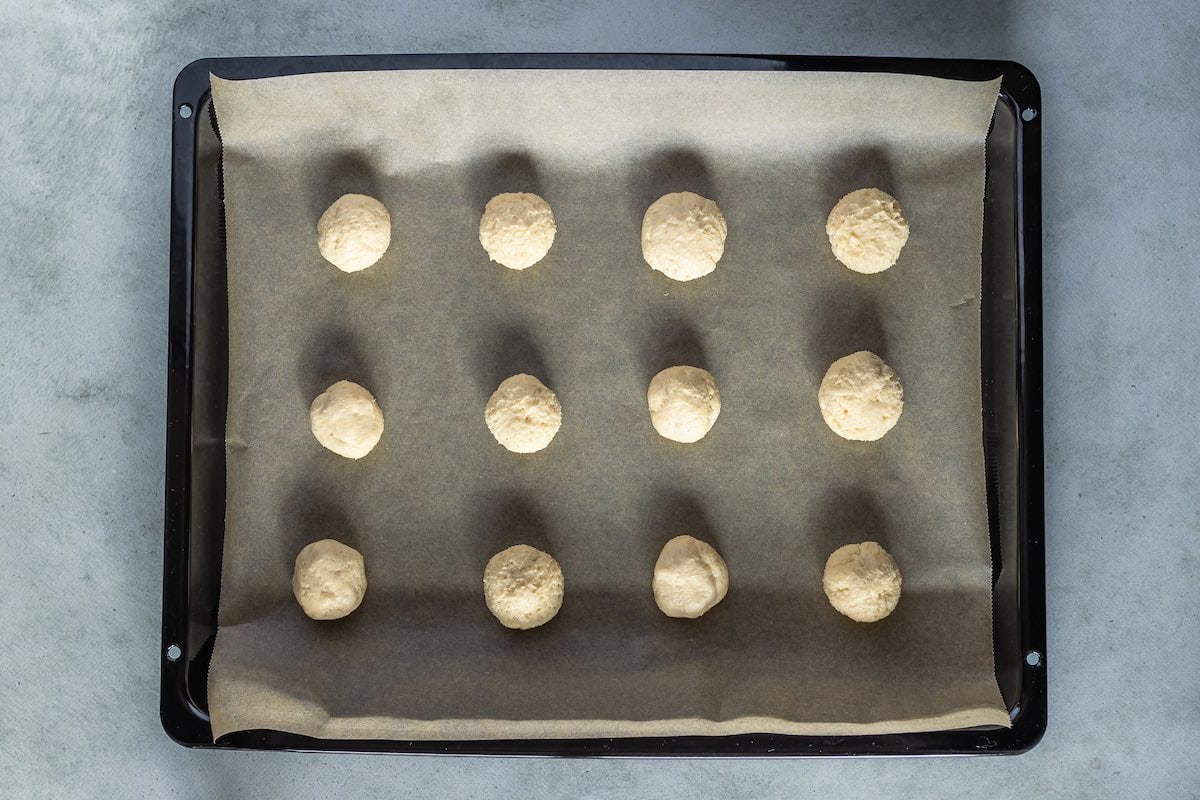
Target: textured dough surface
point(517, 229)
point(867, 230)
point(523, 414)
point(861, 397)
point(690, 577)
point(523, 587)
point(354, 232)
point(684, 403)
point(683, 235)
point(862, 581)
point(329, 579)
point(346, 419)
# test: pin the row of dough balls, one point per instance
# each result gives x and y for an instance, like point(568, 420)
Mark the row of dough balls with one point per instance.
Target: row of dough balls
point(523, 586)
point(860, 397)
point(683, 234)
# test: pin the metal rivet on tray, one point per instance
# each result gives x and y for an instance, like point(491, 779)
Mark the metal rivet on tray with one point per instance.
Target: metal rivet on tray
point(1029, 114)
point(1033, 658)
point(173, 652)
point(185, 111)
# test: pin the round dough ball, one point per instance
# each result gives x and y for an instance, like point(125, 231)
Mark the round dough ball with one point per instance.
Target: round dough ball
point(354, 232)
point(517, 229)
point(690, 577)
point(683, 235)
point(346, 419)
point(861, 397)
point(329, 580)
point(866, 230)
point(523, 587)
point(684, 403)
point(862, 581)
point(523, 414)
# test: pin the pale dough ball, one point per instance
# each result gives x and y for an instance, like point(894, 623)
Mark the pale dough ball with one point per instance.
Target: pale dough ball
point(523, 587)
point(861, 397)
point(329, 580)
point(346, 419)
point(517, 229)
point(354, 232)
point(683, 235)
point(523, 414)
point(866, 230)
point(684, 403)
point(690, 577)
point(862, 581)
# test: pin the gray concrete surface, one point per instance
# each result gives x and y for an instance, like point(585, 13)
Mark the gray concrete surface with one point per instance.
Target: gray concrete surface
point(84, 122)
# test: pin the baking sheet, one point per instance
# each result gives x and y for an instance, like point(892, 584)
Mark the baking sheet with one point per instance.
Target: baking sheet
point(434, 326)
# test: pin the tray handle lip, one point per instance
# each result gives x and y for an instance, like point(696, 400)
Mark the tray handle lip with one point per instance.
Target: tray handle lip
point(192, 78)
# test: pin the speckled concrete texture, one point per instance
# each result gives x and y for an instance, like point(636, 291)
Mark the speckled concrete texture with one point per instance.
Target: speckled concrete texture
point(84, 134)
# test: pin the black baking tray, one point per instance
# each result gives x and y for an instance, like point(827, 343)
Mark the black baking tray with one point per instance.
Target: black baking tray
point(1011, 307)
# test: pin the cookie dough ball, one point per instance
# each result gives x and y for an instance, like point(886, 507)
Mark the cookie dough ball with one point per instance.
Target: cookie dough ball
point(523, 414)
point(862, 581)
point(329, 580)
point(523, 587)
point(690, 577)
point(354, 232)
point(684, 403)
point(683, 235)
point(866, 230)
point(346, 419)
point(517, 229)
point(861, 397)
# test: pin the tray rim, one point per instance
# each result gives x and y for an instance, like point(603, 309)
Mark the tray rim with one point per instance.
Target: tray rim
point(188, 725)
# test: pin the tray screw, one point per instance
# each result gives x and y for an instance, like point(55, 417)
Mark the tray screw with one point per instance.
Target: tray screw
point(1033, 658)
point(173, 652)
point(185, 111)
point(1029, 114)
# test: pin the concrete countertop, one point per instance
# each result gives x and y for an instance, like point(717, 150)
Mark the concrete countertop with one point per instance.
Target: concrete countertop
point(85, 111)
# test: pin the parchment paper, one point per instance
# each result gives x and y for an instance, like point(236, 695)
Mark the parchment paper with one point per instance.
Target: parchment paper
point(434, 327)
